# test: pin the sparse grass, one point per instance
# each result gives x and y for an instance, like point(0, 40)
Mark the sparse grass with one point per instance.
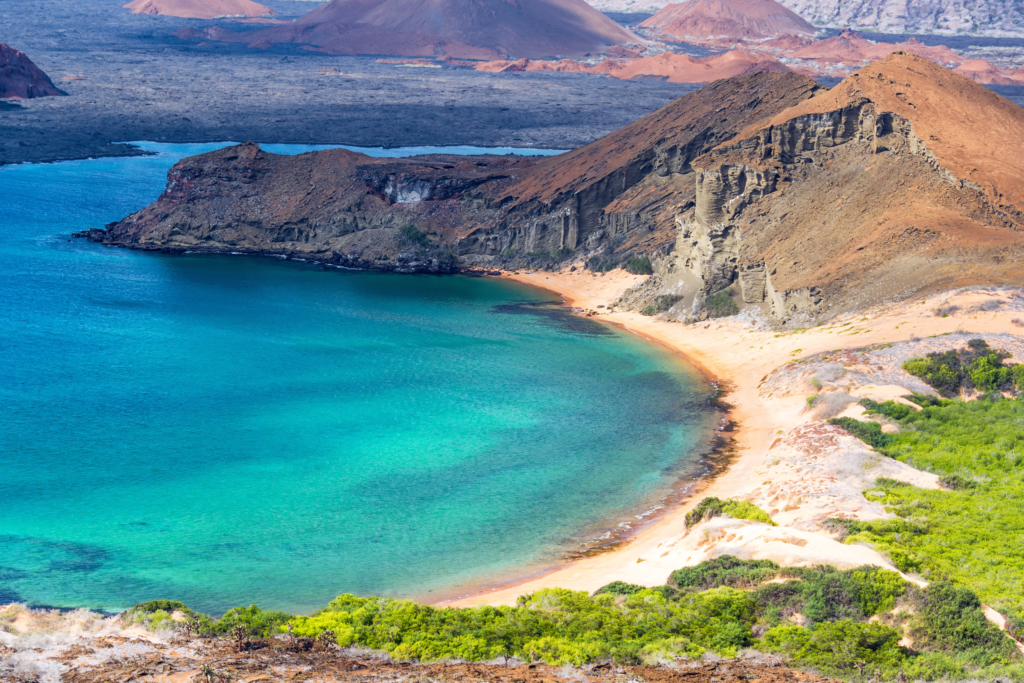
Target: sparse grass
point(662, 303)
point(946, 311)
point(829, 405)
point(721, 305)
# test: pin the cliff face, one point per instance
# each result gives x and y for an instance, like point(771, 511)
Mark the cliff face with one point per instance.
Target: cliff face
point(336, 205)
point(621, 192)
point(800, 202)
point(977, 17)
point(19, 77)
point(902, 178)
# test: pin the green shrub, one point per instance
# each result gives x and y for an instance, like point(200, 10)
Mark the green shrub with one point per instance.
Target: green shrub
point(869, 432)
point(949, 619)
point(737, 509)
point(619, 588)
point(890, 409)
point(841, 648)
point(977, 367)
point(721, 305)
point(662, 303)
point(725, 571)
point(638, 265)
point(412, 235)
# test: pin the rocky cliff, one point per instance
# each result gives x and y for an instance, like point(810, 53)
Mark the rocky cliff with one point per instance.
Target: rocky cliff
point(903, 178)
point(617, 195)
point(19, 77)
point(978, 17)
point(790, 199)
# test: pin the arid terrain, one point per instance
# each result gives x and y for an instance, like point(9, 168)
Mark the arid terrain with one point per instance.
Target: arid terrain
point(129, 78)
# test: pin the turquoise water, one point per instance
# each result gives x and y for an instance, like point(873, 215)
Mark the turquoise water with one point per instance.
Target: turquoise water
point(233, 430)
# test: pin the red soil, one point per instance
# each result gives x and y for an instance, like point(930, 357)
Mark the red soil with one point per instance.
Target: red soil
point(20, 78)
point(973, 132)
point(852, 47)
point(467, 29)
point(200, 9)
point(980, 71)
point(704, 19)
point(674, 68)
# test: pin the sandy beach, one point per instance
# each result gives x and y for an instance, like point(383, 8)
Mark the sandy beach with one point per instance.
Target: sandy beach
point(783, 453)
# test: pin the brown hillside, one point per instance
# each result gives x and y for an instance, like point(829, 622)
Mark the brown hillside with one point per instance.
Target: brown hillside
point(20, 78)
point(471, 29)
point(200, 9)
point(728, 19)
point(902, 178)
point(672, 67)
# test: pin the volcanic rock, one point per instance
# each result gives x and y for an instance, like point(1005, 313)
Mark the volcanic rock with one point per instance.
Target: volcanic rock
point(20, 78)
point(902, 178)
point(467, 29)
point(668, 66)
point(200, 9)
point(977, 17)
point(853, 48)
point(704, 19)
point(623, 190)
point(980, 71)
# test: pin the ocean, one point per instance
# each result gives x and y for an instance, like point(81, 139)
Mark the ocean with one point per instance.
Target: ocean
point(227, 430)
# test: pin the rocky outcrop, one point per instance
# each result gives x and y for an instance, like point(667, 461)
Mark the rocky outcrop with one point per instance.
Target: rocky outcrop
point(620, 194)
point(801, 202)
point(865, 193)
point(977, 17)
point(334, 206)
point(20, 78)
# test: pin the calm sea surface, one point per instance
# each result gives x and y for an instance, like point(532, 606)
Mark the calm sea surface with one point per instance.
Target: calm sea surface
point(233, 430)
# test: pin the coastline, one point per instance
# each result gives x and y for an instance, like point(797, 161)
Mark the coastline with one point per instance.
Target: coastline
point(735, 354)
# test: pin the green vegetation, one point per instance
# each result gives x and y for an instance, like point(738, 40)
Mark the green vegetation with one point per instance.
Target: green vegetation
point(976, 367)
point(970, 533)
point(412, 235)
point(719, 606)
point(721, 305)
point(638, 265)
point(662, 303)
point(730, 507)
point(253, 621)
point(869, 432)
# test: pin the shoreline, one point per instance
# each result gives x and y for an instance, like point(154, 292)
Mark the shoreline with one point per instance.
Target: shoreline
point(741, 358)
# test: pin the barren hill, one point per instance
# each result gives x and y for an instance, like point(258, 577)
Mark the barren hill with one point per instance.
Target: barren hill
point(728, 18)
point(200, 9)
point(804, 202)
point(979, 17)
point(19, 77)
point(902, 178)
point(669, 66)
point(471, 29)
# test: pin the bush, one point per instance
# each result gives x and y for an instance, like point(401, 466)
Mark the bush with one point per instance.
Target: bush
point(412, 235)
point(619, 588)
point(977, 367)
point(638, 265)
point(737, 509)
point(721, 305)
point(725, 571)
point(840, 648)
point(949, 619)
point(869, 432)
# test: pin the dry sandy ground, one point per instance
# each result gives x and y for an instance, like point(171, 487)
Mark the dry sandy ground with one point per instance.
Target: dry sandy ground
point(787, 460)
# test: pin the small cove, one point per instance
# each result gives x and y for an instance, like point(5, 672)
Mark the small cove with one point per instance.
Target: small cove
point(229, 430)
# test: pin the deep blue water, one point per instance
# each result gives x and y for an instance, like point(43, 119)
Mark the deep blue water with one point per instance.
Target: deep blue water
point(233, 430)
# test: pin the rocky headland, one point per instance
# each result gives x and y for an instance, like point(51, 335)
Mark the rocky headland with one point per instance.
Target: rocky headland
point(21, 78)
point(791, 199)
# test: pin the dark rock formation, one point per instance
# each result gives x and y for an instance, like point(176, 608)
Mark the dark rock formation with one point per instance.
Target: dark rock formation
point(805, 202)
point(19, 77)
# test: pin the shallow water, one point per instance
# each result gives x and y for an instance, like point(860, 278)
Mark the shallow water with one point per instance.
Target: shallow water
point(233, 430)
